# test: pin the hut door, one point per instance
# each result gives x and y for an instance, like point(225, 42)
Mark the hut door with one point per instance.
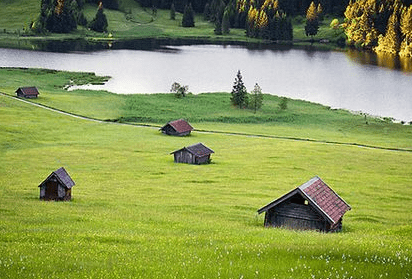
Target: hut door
point(51, 190)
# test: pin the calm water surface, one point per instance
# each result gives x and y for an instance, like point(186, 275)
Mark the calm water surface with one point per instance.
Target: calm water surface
point(339, 80)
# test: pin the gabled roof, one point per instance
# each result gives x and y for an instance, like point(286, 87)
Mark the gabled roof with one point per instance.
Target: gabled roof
point(63, 177)
point(28, 91)
point(197, 149)
point(320, 195)
point(180, 125)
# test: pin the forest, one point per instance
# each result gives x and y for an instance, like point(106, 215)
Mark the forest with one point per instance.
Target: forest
point(376, 25)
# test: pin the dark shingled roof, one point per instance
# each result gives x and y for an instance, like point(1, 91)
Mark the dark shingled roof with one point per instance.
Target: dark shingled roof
point(181, 126)
point(197, 149)
point(323, 198)
point(29, 91)
point(62, 175)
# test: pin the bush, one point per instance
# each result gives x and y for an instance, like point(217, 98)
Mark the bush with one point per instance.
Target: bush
point(283, 104)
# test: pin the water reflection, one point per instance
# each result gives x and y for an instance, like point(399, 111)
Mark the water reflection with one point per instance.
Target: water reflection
point(385, 60)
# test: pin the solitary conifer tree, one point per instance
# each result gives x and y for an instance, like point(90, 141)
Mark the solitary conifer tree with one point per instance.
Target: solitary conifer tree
point(239, 93)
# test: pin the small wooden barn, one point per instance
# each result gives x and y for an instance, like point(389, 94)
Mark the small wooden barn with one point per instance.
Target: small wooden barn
point(27, 92)
point(57, 186)
point(311, 206)
point(195, 154)
point(178, 127)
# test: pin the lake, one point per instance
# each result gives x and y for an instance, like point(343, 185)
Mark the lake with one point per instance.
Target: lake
point(351, 80)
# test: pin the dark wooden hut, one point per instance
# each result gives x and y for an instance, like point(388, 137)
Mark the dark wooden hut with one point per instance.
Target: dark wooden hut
point(311, 206)
point(194, 154)
point(27, 92)
point(57, 186)
point(178, 127)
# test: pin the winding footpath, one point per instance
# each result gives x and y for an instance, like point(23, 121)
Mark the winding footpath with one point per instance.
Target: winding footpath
point(210, 132)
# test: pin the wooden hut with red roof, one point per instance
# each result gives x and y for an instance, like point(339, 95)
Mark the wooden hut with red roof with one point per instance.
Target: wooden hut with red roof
point(178, 127)
point(311, 206)
point(195, 154)
point(27, 92)
point(57, 186)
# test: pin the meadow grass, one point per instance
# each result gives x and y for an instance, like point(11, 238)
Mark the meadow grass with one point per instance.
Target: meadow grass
point(208, 111)
point(137, 214)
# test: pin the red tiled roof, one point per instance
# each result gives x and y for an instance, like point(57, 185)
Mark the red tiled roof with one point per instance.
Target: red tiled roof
point(181, 126)
point(325, 198)
point(29, 91)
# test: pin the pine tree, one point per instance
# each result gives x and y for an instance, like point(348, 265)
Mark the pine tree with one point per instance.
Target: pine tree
point(188, 19)
point(239, 93)
point(99, 23)
point(172, 12)
point(256, 98)
point(312, 23)
point(406, 29)
point(225, 23)
point(390, 42)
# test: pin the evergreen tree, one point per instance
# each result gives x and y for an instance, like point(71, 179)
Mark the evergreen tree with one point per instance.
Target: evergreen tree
point(188, 19)
point(99, 23)
point(406, 28)
point(256, 98)
point(390, 42)
point(226, 23)
point(172, 12)
point(239, 93)
point(312, 23)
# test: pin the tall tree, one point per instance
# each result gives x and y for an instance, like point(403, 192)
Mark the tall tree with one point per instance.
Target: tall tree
point(390, 42)
point(239, 93)
point(99, 23)
point(172, 12)
point(188, 19)
point(256, 98)
point(406, 29)
point(226, 22)
point(312, 22)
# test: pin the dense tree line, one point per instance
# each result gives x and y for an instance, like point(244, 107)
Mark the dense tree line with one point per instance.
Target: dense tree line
point(380, 25)
point(63, 16)
point(289, 7)
point(267, 21)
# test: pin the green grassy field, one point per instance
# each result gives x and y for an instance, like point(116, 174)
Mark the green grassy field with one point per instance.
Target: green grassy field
point(136, 214)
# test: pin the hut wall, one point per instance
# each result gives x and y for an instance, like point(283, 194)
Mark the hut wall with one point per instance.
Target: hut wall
point(296, 216)
point(202, 160)
point(183, 156)
point(169, 130)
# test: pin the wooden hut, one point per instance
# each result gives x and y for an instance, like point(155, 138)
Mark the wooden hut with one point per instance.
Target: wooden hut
point(27, 92)
point(57, 186)
point(178, 127)
point(195, 154)
point(311, 206)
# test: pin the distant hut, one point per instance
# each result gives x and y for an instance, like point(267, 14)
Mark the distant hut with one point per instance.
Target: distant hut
point(311, 206)
point(177, 128)
point(57, 186)
point(195, 154)
point(27, 92)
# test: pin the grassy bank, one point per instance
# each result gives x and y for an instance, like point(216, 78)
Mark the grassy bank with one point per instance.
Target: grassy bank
point(209, 111)
point(136, 214)
point(131, 22)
